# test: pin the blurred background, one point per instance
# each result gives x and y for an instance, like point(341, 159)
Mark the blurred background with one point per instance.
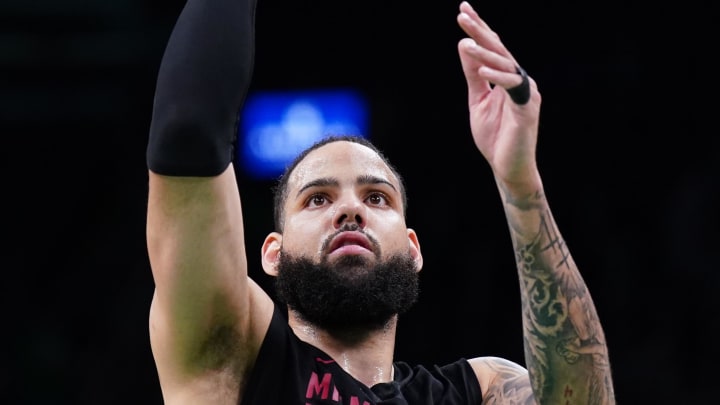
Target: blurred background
point(627, 149)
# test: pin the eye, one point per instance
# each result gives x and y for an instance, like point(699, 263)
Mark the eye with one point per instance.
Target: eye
point(317, 200)
point(377, 199)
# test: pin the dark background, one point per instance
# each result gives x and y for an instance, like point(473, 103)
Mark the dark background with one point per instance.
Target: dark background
point(627, 149)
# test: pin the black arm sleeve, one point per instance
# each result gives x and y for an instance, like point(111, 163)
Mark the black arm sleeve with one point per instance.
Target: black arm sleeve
point(202, 82)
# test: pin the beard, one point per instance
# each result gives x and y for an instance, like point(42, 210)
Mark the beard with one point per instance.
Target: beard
point(350, 296)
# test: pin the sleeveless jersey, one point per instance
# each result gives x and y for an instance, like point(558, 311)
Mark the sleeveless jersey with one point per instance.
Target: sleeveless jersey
point(289, 371)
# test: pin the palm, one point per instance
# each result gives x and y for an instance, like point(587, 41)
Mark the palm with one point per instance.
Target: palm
point(501, 131)
point(505, 133)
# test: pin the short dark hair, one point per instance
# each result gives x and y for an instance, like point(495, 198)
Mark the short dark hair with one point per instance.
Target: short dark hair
point(281, 188)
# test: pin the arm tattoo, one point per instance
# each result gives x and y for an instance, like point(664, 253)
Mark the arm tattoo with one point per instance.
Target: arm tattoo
point(565, 346)
point(510, 386)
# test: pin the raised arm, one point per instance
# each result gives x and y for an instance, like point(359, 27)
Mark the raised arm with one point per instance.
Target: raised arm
point(565, 350)
point(207, 318)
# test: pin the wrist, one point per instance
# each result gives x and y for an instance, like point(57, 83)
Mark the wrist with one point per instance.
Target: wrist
point(521, 191)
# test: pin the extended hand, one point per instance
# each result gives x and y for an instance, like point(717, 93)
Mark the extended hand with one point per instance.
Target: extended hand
point(504, 131)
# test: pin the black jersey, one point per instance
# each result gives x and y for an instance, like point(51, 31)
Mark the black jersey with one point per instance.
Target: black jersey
point(289, 371)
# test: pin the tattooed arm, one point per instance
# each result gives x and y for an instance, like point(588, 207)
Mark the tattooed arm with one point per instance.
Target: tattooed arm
point(565, 350)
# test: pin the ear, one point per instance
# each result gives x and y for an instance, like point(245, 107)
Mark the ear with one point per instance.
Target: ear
point(415, 249)
point(271, 252)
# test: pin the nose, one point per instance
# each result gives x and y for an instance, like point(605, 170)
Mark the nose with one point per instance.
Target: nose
point(350, 211)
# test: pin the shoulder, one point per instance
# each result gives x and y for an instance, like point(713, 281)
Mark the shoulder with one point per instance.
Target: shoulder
point(450, 383)
point(502, 380)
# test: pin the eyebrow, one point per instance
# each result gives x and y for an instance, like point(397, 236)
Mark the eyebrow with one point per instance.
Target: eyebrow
point(332, 181)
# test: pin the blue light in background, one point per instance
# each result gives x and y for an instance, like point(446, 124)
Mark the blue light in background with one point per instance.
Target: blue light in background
point(277, 125)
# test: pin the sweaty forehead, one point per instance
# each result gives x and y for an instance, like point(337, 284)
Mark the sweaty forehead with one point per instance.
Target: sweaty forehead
point(340, 159)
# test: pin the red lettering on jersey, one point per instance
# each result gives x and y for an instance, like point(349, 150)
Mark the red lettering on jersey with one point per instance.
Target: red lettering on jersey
point(323, 361)
point(316, 387)
point(355, 401)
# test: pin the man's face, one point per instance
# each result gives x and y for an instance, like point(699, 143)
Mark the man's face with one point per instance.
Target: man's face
point(339, 184)
point(347, 256)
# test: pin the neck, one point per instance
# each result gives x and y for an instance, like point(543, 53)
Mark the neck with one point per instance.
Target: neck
point(365, 355)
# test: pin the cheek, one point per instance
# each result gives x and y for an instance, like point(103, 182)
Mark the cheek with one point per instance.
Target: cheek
point(302, 237)
point(393, 234)
point(308, 219)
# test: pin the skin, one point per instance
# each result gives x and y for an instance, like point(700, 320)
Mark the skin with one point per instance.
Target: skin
point(506, 135)
point(315, 212)
point(208, 318)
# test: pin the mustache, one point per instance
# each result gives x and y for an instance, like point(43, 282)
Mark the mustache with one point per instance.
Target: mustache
point(355, 228)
